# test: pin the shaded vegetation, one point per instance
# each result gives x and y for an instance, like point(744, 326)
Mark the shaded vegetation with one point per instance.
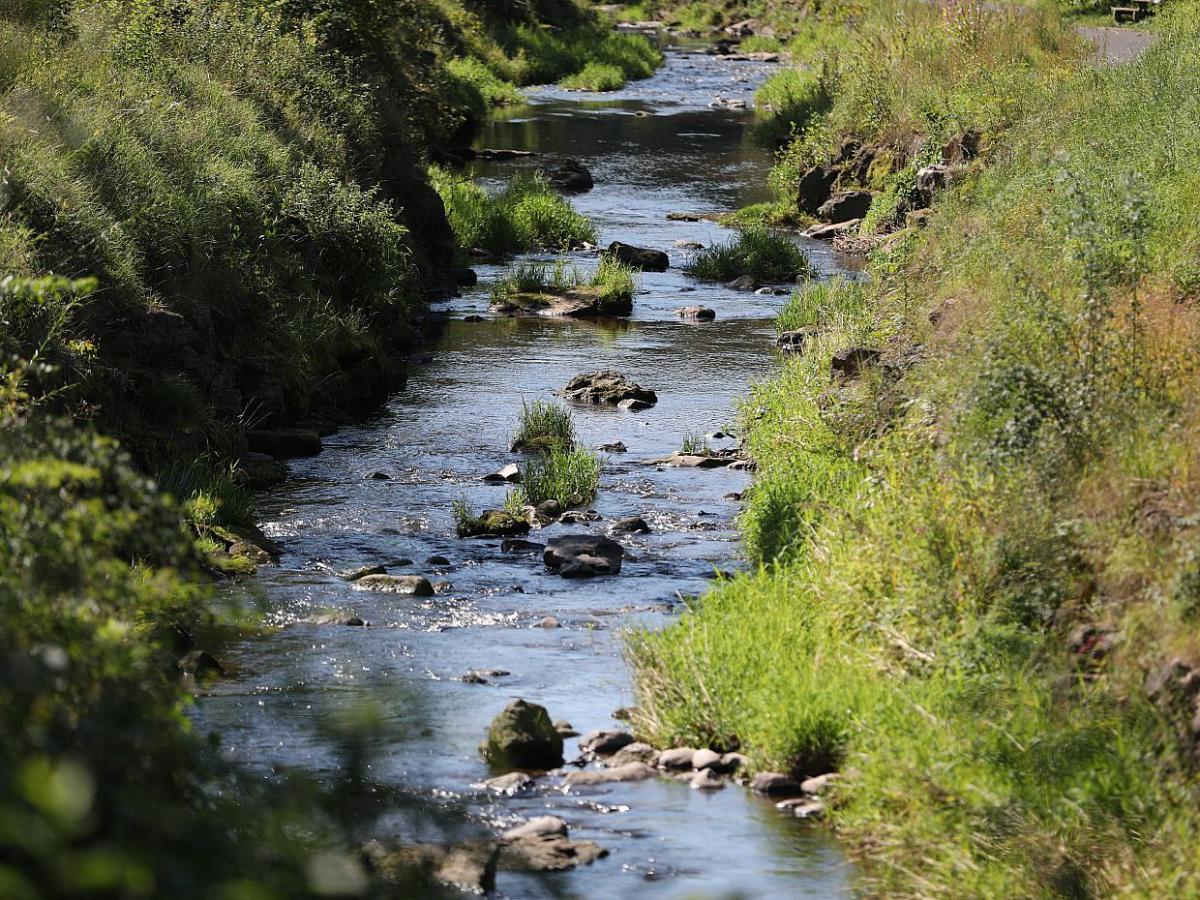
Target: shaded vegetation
point(762, 253)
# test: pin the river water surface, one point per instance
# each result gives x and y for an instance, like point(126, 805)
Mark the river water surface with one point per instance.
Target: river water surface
point(653, 148)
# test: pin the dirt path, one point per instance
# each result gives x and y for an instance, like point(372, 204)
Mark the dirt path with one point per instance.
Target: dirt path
point(1117, 45)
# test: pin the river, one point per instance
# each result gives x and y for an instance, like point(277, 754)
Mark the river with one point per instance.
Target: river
point(655, 147)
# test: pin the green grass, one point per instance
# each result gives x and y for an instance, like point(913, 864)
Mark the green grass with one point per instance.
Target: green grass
point(615, 281)
point(763, 253)
point(544, 425)
point(527, 215)
point(695, 444)
point(925, 540)
point(595, 77)
point(788, 100)
point(569, 476)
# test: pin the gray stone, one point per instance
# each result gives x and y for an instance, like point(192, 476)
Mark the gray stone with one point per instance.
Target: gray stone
point(572, 178)
point(733, 762)
point(523, 737)
point(818, 784)
point(689, 245)
point(510, 783)
point(815, 187)
point(635, 752)
point(517, 545)
point(548, 853)
point(706, 759)
point(676, 758)
point(830, 232)
point(606, 386)
point(696, 313)
point(634, 771)
point(630, 525)
point(542, 826)
point(850, 362)
point(437, 561)
point(468, 867)
point(633, 405)
point(775, 784)
point(842, 207)
point(600, 554)
point(510, 474)
point(638, 257)
point(795, 341)
point(565, 728)
point(742, 283)
point(412, 585)
point(363, 572)
point(604, 743)
point(803, 807)
point(706, 780)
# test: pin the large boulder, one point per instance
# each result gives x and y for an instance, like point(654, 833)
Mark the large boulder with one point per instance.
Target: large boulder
point(845, 205)
point(467, 867)
point(583, 555)
point(523, 737)
point(638, 257)
point(572, 178)
point(607, 386)
point(541, 845)
point(815, 187)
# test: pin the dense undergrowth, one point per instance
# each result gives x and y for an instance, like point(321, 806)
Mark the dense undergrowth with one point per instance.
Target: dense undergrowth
point(970, 558)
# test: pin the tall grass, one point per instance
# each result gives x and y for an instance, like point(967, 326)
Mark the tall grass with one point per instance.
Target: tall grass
point(526, 215)
point(595, 77)
point(544, 425)
point(929, 541)
point(765, 254)
point(614, 280)
point(568, 476)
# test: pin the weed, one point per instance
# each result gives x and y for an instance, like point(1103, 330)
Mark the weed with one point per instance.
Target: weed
point(695, 444)
point(595, 77)
point(543, 426)
point(570, 476)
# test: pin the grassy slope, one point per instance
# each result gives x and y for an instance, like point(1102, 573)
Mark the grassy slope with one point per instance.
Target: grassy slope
point(934, 540)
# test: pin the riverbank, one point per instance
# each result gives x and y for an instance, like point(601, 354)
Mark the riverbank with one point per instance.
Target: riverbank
point(218, 241)
point(975, 544)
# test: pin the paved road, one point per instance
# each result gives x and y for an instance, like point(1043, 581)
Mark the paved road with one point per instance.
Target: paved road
point(1117, 45)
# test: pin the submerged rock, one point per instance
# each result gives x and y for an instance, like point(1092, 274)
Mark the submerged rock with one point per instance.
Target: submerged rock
point(606, 386)
point(542, 826)
point(363, 572)
point(542, 845)
point(696, 313)
point(572, 178)
point(509, 784)
point(614, 447)
point(639, 257)
point(631, 525)
point(706, 780)
point(510, 474)
point(523, 737)
point(742, 283)
point(571, 554)
point(518, 545)
point(413, 585)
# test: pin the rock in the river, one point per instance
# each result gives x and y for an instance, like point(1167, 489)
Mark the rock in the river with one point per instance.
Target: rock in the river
point(634, 771)
point(565, 728)
point(815, 187)
point(844, 206)
point(689, 245)
point(413, 585)
point(732, 762)
point(603, 743)
point(635, 752)
point(548, 622)
point(695, 461)
point(260, 470)
point(706, 780)
point(579, 302)
point(437, 561)
point(600, 554)
point(677, 758)
point(696, 313)
point(523, 737)
point(509, 784)
point(850, 362)
point(494, 523)
point(572, 178)
point(774, 784)
point(630, 525)
point(542, 826)
point(199, 663)
point(549, 509)
point(468, 867)
point(363, 572)
point(284, 442)
point(606, 386)
point(742, 283)
point(614, 447)
point(639, 257)
point(706, 759)
point(633, 405)
point(510, 474)
point(795, 341)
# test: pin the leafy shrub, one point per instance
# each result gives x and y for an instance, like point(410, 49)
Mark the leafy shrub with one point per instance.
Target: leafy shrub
point(544, 425)
point(595, 77)
point(570, 476)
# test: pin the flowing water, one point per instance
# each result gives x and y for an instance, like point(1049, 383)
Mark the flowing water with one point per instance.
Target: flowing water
point(653, 148)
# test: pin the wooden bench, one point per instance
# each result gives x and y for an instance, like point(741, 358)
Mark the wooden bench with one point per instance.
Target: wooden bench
point(1135, 11)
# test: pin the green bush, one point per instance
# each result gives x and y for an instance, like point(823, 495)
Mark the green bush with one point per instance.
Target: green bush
point(544, 425)
point(595, 77)
point(570, 476)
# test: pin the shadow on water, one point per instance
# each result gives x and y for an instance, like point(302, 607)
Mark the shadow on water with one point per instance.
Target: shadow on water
point(450, 427)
